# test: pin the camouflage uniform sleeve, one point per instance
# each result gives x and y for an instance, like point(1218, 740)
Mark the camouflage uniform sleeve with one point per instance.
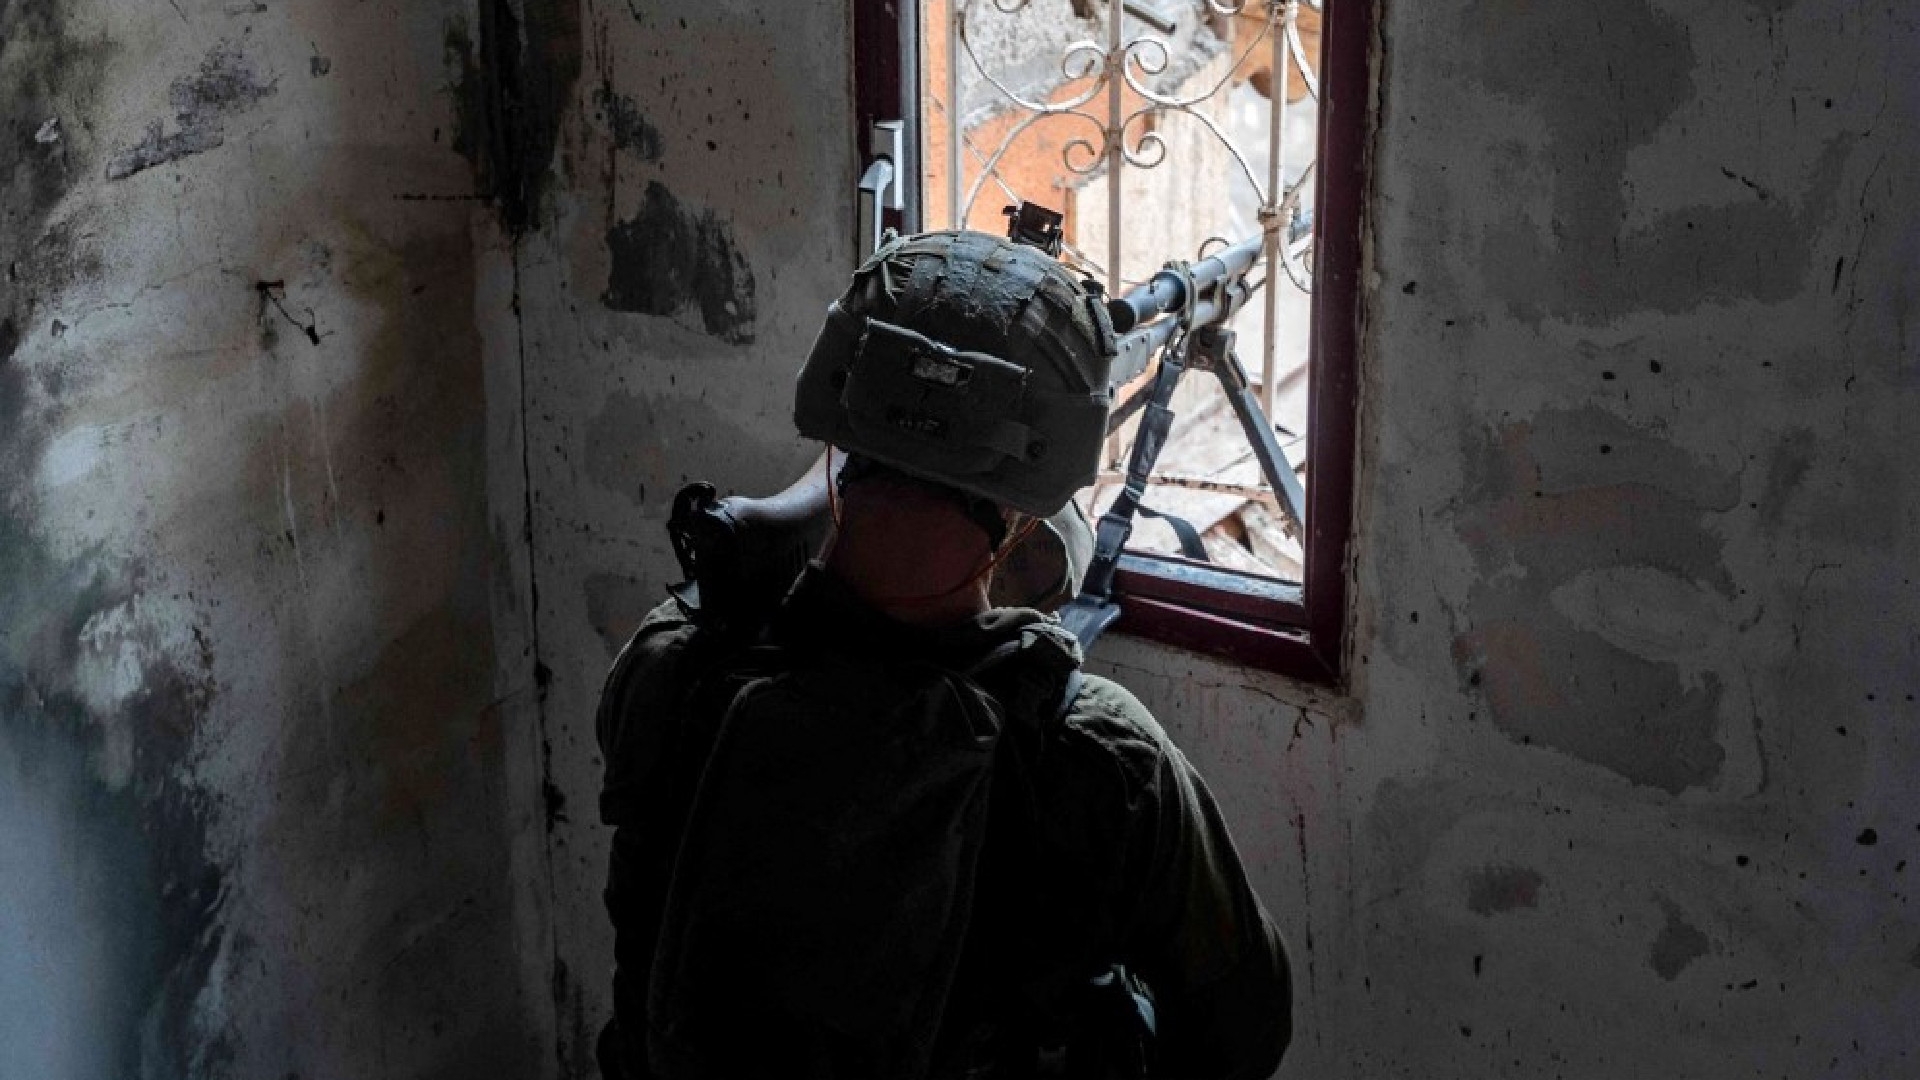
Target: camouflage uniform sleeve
point(638, 729)
point(1196, 932)
point(631, 724)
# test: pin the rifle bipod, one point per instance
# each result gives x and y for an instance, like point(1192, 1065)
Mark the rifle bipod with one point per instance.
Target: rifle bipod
point(1209, 348)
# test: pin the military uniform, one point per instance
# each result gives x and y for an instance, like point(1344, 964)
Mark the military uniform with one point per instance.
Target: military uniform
point(1103, 847)
point(919, 851)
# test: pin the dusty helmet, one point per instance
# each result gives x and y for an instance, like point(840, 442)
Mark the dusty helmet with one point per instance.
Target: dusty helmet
point(966, 360)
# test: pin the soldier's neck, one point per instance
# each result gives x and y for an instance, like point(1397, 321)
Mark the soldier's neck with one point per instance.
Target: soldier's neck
point(912, 574)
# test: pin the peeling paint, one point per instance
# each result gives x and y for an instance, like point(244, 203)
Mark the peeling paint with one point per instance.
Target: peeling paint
point(1655, 615)
point(202, 103)
point(1551, 685)
point(1599, 253)
point(669, 258)
point(1789, 461)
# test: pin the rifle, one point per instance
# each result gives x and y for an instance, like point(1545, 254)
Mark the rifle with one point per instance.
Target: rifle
point(740, 554)
point(1180, 314)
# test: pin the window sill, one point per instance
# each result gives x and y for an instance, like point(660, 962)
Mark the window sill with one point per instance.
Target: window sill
point(1243, 619)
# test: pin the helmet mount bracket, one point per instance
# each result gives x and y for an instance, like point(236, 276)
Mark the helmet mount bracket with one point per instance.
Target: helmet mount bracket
point(1037, 226)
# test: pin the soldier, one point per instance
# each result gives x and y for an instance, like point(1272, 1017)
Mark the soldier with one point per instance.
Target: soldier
point(890, 830)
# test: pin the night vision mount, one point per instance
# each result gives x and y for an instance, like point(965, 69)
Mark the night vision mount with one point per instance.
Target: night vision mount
point(1035, 226)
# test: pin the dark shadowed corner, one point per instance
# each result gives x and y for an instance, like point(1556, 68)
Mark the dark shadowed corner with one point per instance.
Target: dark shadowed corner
point(513, 89)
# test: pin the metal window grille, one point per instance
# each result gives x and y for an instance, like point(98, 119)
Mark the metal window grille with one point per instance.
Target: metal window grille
point(1155, 125)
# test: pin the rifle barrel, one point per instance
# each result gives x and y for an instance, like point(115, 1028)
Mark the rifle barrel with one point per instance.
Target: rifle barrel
point(1167, 290)
point(1144, 316)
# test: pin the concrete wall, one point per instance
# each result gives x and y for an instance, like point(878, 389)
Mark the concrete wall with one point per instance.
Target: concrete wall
point(302, 637)
point(699, 221)
point(1620, 786)
point(1623, 786)
point(253, 774)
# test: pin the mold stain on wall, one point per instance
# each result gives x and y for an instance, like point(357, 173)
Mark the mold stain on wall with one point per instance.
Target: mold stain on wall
point(48, 79)
point(513, 90)
point(668, 258)
point(115, 904)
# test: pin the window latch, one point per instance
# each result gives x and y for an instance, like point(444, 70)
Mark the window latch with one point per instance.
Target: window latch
point(881, 187)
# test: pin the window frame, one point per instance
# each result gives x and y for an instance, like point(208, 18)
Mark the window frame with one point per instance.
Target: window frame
point(1295, 629)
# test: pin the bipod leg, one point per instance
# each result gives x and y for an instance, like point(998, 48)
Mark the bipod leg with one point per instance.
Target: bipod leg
point(1212, 347)
point(1092, 611)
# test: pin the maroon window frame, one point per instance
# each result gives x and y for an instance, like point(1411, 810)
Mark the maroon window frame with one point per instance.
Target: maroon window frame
point(1295, 628)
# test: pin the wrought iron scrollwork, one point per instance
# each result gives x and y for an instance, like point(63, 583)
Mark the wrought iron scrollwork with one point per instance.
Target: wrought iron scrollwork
point(1115, 90)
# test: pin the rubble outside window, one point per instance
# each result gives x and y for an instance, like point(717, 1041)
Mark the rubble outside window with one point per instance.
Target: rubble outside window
point(1160, 130)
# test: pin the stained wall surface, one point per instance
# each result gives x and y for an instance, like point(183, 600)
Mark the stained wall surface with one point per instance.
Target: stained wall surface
point(253, 770)
point(1620, 785)
point(698, 220)
point(306, 588)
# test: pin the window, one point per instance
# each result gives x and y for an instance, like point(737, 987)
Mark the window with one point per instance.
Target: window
point(1163, 129)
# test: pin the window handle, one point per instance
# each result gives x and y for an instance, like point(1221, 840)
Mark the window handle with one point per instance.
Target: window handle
point(880, 185)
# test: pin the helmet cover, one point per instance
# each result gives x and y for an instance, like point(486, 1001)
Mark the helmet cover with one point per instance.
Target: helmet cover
point(967, 360)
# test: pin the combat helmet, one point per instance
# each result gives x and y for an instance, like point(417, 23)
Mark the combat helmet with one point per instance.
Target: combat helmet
point(967, 360)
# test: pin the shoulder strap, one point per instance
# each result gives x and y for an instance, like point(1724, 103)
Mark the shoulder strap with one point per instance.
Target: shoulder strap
point(1020, 675)
point(1070, 693)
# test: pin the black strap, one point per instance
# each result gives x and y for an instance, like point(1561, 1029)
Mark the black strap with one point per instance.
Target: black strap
point(1110, 536)
point(982, 672)
point(1070, 694)
point(1190, 544)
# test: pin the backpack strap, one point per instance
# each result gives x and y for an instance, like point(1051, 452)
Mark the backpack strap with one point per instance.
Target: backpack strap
point(1013, 673)
point(1070, 694)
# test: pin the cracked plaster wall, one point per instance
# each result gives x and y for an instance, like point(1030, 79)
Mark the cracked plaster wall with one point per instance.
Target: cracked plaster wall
point(1621, 786)
point(1627, 787)
point(253, 777)
point(696, 224)
point(302, 637)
